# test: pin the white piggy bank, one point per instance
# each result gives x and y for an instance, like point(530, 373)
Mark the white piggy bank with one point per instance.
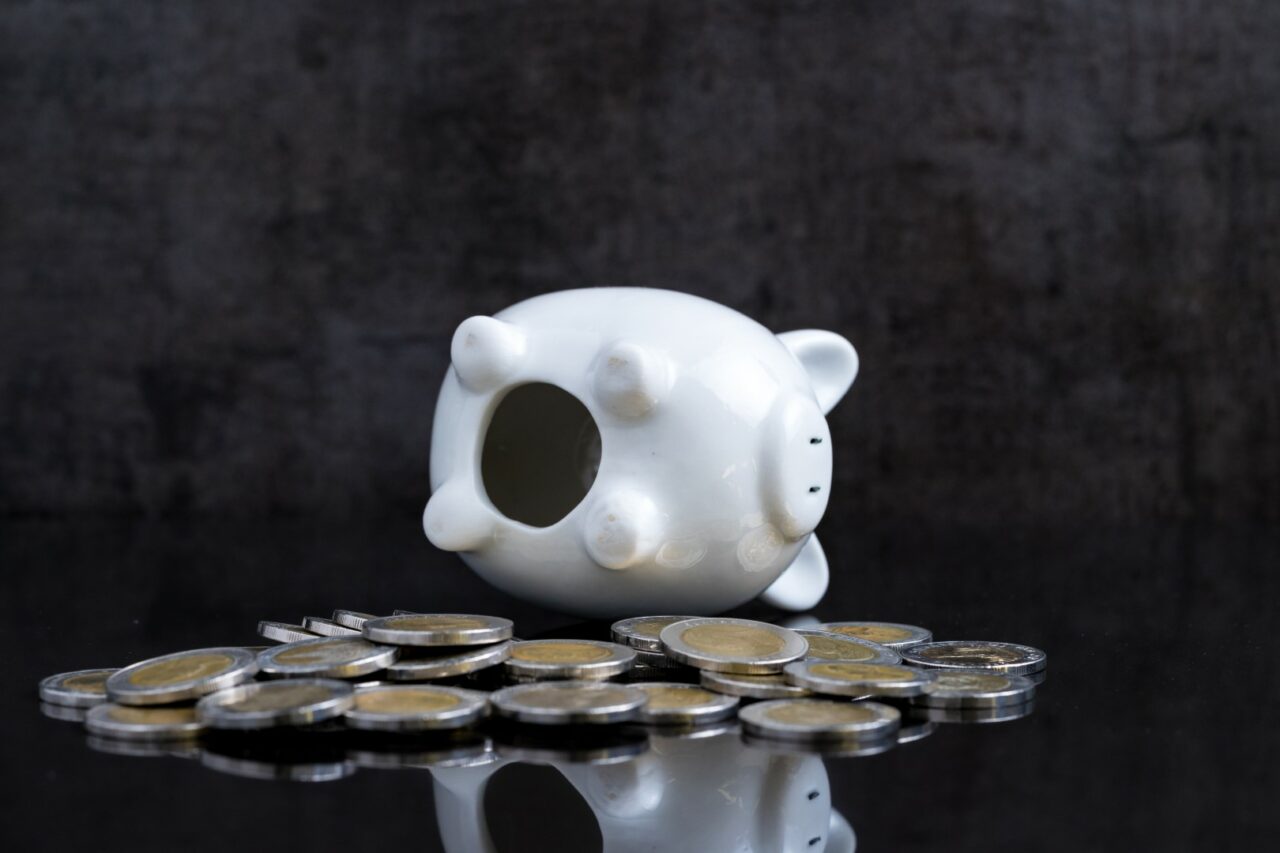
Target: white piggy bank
point(621, 451)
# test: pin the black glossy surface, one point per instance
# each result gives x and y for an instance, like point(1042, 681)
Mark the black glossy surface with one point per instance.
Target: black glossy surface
point(1155, 729)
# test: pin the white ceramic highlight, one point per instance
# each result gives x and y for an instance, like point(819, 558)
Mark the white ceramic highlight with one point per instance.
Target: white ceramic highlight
point(689, 479)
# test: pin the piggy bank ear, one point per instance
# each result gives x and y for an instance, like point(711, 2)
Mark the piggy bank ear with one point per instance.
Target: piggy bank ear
point(830, 361)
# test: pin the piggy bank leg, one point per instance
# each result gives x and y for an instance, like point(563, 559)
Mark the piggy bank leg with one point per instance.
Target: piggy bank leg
point(803, 583)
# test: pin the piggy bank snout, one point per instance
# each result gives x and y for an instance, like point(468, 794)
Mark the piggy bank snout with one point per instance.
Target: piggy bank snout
point(796, 480)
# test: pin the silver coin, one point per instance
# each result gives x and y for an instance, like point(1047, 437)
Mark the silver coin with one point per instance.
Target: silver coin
point(732, 645)
point(249, 768)
point(672, 703)
point(575, 659)
point(352, 618)
point(83, 688)
point(415, 708)
point(284, 632)
point(838, 678)
point(772, 686)
point(977, 656)
point(127, 722)
point(855, 748)
point(267, 704)
point(327, 627)
point(892, 635)
point(437, 629)
point(65, 713)
point(820, 720)
point(824, 645)
point(327, 657)
point(1001, 714)
point(643, 632)
point(952, 689)
point(181, 676)
point(425, 666)
point(564, 702)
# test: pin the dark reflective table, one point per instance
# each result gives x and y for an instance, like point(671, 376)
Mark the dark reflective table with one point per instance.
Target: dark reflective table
point(1154, 729)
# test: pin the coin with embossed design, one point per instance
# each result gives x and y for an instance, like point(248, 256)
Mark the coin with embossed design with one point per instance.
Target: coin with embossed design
point(977, 655)
point(327, 657)
point(959, 689)
point(820, 719)
point(568, 659)
point(732, 645)
point(824, 645)
point(80, 689)
point(415, 708)
point(772, 686)
point(672, 703)
point(181, 676)
point(564, 702)
point(893, 635)
point(437, 629)
point(838, 678)
point(132, 723)
point(643, 632)
point(266, 704)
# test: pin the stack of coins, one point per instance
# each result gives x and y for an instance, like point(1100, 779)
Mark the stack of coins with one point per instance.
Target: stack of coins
point(420, 689)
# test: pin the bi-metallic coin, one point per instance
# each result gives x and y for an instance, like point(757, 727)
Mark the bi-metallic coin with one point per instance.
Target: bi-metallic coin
point(824, 645)
point(415, 708)
point(267, 704)
point(955, 689)
point(642, 632)
point(328, 627)
point(565, 702)
point(284, 632)
point(837, 678)
point(977, 655)
point(575, 659)
point(773, 686)
point(83, 688)
point(732, 645)
point(893, 635)
point(672, 703)
point(446, 663)
point(352, 618)
point(819, 720)
point(181, 676)
point(437, 629)
point(132, 723)
point(327, 657)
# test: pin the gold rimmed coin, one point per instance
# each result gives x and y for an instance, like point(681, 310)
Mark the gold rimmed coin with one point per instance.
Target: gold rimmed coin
point(958, 689)
point(326, 657)
point(181, 676)
point(415, 708)
point(437, 629)
point(643, 632)
point(579, 659)
point(820, 720)
point(824, 645)
point(773, 686)
point(267, 704)
point(838, 678)
point(732, 645)
point(672, 703)
point(977, 655)
point(565, 702)
point(893, 635)
point(146, 724)
point(83, 688)
point(426, 665)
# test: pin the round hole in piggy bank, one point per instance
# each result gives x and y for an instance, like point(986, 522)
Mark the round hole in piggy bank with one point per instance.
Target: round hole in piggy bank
point(541, 453)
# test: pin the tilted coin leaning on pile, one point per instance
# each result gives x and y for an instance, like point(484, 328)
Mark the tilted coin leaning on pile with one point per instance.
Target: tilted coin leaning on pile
point(446, 686)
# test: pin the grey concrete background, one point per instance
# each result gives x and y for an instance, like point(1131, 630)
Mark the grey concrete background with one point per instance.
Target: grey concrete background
point(235, 237)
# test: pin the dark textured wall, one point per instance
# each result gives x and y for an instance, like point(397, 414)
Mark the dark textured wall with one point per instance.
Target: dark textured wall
point(236, 237)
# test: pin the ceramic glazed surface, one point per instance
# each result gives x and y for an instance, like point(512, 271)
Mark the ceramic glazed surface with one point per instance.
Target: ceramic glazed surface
point(616, 451)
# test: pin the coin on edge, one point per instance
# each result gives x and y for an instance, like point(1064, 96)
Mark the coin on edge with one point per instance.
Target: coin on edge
point(672, 703)
point(642, 632)
point(327, 627)
point(181, 676)
point(578, 659)
point(415, 708)
point(563, 702)
point(752, 686)
point(327, 657)
point(284, 632)
point(954, 689)
point(824, 645)
point(820, 719)
point(267, 704)
point(352, 618)
point(80, 689)
point(437, 629)
point(732, 645)
point(893, 635)
point(428, 665)
point(132, 723)
point(977, 655)
point(837, 678)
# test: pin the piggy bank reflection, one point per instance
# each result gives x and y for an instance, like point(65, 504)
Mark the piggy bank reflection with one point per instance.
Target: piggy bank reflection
point(694, 794)
point(617, 451)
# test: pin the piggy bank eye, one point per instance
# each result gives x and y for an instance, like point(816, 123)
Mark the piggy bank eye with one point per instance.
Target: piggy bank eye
point(540, 456)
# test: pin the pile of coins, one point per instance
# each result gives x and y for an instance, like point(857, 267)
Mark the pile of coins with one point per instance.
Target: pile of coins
point(455, 680)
